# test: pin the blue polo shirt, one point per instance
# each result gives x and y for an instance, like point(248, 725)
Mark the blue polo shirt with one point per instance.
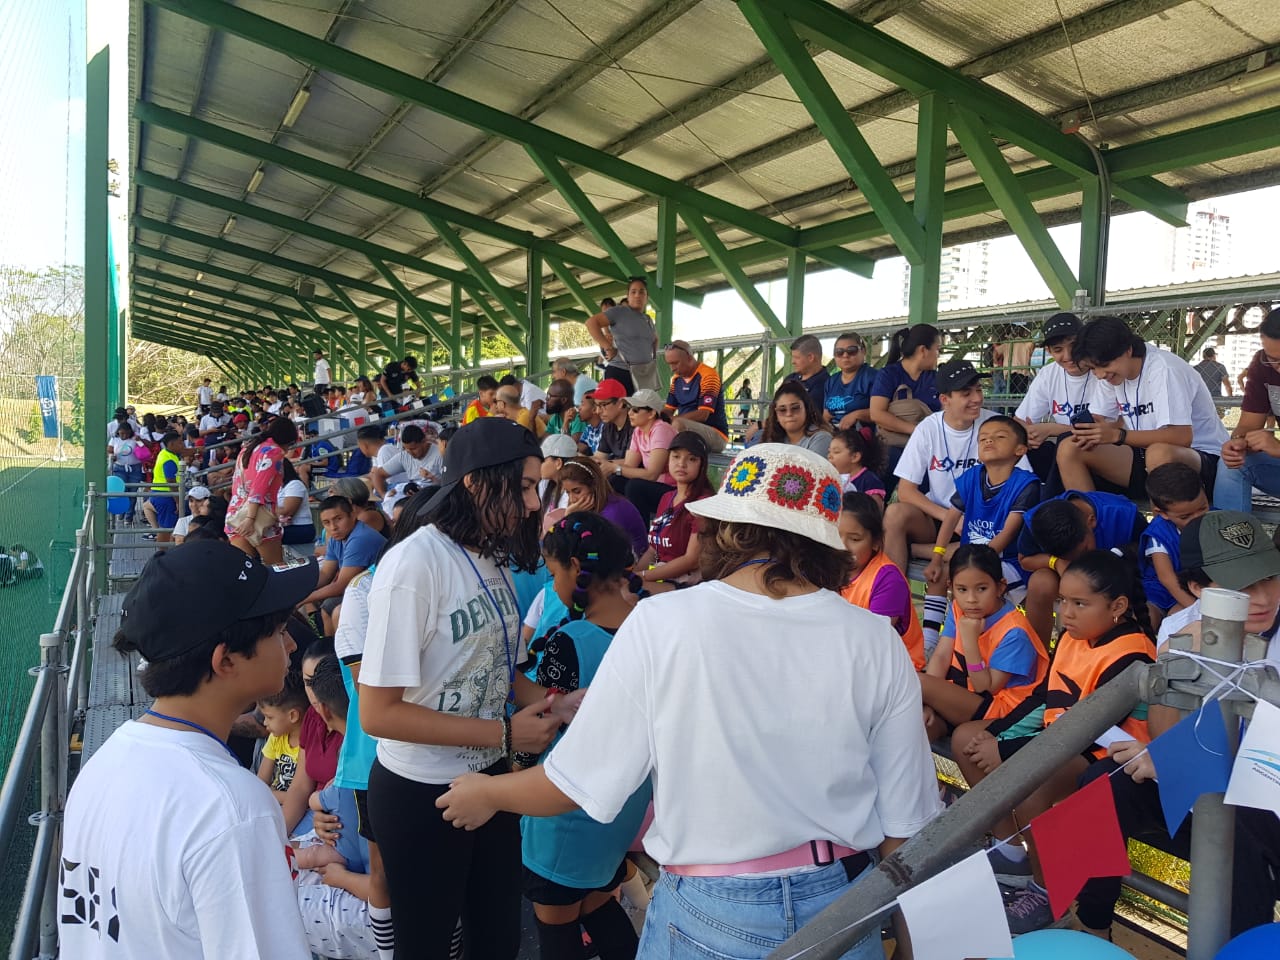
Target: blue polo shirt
point(360, 549)
point(892, 376)
point(840, 398)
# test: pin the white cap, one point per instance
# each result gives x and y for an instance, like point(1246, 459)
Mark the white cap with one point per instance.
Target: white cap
point(199, 493)
point(559, 445)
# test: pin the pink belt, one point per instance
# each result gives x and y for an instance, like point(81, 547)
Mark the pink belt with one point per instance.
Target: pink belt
point(815, 853)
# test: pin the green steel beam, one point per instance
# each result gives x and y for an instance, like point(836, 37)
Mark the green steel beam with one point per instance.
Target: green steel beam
point(1095, 226)
point(1212, 142)
point(311, 167)
point(406, 299)
point(152, 296)
point(280, 221)
point(730, 378)
point(787, 50)
point(854, 263)
point(158, 318)
point(375, 328)
point(455, 336)
point(97, 277)
point(200, 286)
point(539, 332)
point(438, 99)
point(261, 318)
point(732, 272)
point(843, 34)
point(502, 324)
point(331, 327)
point(479, 272)
point(591, 218)
point(666, 277)
point(795, 293)
point(991, 165)
point(571, 283)
point(927, 207)
point(280, 263)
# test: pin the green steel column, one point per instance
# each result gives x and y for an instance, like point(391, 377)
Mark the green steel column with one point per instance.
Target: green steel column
point(664, 295)
point(477, 345)
point(927, 207)
point(1095, 230)
point(362, 356)
point(97, 282)
point(399, 329)
point(795, 292)
point(455, 335)
point(537, 354)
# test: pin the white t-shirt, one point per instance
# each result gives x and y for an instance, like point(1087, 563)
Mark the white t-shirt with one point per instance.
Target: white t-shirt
point(204, 395)
point(114, 425)
point(348, 639)
point(1056, 394)
point(178, 851)
point(433, 629)
point(183, 525)
point(1168, 392)
point(529, 392)
point(210, 422)
point(296, 488)
point(941, 453)
point(123, 450)
point(755, 745)
point(322, 371)
point(220, 397)
point(400, 464)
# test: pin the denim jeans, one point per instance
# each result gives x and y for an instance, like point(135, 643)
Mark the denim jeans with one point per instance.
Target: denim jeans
point(736, 918)
point(1234, 488)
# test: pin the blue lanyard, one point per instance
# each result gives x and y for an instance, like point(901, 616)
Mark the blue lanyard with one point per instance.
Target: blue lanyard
point(195, 726)
point(506, 634)
point(1066, 388)
point(968, 447)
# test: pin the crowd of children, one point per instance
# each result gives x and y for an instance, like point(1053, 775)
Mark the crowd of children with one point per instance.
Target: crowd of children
point(504, 614)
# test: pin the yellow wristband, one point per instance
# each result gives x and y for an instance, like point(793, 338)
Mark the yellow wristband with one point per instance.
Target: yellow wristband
point(940, 551)
point(1053, 563)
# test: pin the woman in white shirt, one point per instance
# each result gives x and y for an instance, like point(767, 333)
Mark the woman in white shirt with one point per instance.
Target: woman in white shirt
point(439, 670)
point(756, 828)
point(295, 507)
point(1168, 415)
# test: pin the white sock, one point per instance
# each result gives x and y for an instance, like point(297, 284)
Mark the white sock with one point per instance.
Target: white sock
point(635, 891)
point(935, 614)
point(1012, 851)
point(384, 935)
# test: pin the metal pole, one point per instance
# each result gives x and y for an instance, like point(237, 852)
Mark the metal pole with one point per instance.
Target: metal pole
point(960, 830)
point(1214, 822)
point(24, 931)
point(52, 757)
point(83, 627)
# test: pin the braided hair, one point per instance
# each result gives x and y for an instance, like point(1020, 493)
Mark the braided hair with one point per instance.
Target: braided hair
point(601, 548)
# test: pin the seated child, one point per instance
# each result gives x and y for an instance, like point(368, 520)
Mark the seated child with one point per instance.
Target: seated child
point(1057, 531)
point(988, 505)
point(282, 716)
point(989, 658)
point(1105, 628)
point(877, 584)
point(857, 456)
point(1177, 497)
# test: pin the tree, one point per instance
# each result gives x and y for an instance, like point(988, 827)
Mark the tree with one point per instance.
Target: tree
point(166, 376)
point(41, 324)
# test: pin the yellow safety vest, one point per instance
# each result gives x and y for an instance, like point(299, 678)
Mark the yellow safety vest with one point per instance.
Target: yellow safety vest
point(159, 481)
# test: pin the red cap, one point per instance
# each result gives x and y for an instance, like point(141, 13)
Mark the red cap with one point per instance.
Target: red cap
point(610, 390)
point(240, 418)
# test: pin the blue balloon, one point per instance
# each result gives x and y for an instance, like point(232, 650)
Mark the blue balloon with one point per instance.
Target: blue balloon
point(1061, 944)
point(1263, 941)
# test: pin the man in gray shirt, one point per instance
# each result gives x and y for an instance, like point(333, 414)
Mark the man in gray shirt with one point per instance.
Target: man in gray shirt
point(628, 339)
point(1213, 373)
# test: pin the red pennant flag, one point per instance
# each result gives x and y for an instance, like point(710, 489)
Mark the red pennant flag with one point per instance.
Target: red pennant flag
point(1078, 840)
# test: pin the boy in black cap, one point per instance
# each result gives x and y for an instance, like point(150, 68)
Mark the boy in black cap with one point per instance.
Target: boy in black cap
point(171, 848)
point(1060, 394)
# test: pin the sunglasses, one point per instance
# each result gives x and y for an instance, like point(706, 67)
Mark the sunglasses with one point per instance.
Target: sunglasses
point(846, 351)
point(606, 403)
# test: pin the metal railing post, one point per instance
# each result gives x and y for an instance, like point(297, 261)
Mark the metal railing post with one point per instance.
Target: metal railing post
point(1214, 822)
point(53, 754)
point(81, 678)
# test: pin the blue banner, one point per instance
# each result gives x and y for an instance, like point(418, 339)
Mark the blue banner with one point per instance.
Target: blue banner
point(47, 396)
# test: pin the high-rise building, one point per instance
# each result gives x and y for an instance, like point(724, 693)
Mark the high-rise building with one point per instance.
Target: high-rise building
point(963, 281)
point(1204, 246)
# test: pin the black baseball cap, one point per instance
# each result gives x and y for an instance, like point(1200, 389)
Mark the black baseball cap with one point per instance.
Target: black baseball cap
point(486, 442)
point(688, 440)
point(1232, 548)
point(1060, 325)
point(156, 617)
point(956, 375)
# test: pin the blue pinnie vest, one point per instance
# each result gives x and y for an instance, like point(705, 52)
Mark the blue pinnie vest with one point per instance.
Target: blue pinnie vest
point(984, 519)
point(572, 849)
point(1116, 517)
point(1163, 532)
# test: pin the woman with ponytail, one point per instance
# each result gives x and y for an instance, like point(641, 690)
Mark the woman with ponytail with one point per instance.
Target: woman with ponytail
point(252, 521)
point(1106, 627)
point(908, 374)
point(571, 863)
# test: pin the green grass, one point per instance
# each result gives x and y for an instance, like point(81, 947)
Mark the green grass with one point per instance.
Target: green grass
point(39, 505)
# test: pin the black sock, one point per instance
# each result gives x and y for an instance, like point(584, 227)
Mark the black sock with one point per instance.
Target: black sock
point(611, 931)
point(561, 941)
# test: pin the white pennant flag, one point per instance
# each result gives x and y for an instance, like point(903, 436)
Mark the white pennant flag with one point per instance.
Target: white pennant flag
point(1255, 777)
point(938, 932)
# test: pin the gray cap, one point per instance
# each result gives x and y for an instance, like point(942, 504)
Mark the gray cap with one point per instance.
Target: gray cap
point(1231, 548)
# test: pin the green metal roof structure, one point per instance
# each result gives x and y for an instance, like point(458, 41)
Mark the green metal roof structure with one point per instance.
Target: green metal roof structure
point(379, 176)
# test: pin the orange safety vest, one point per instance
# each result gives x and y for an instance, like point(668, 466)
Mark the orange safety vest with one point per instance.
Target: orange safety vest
point(1006, 698)
point(859, 594)
point(1077, 668)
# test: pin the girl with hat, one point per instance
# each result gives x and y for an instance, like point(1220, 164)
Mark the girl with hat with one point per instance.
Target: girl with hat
point(757, 829)
point(438, 673)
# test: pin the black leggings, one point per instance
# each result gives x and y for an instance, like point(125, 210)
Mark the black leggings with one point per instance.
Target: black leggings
point(437, 873)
